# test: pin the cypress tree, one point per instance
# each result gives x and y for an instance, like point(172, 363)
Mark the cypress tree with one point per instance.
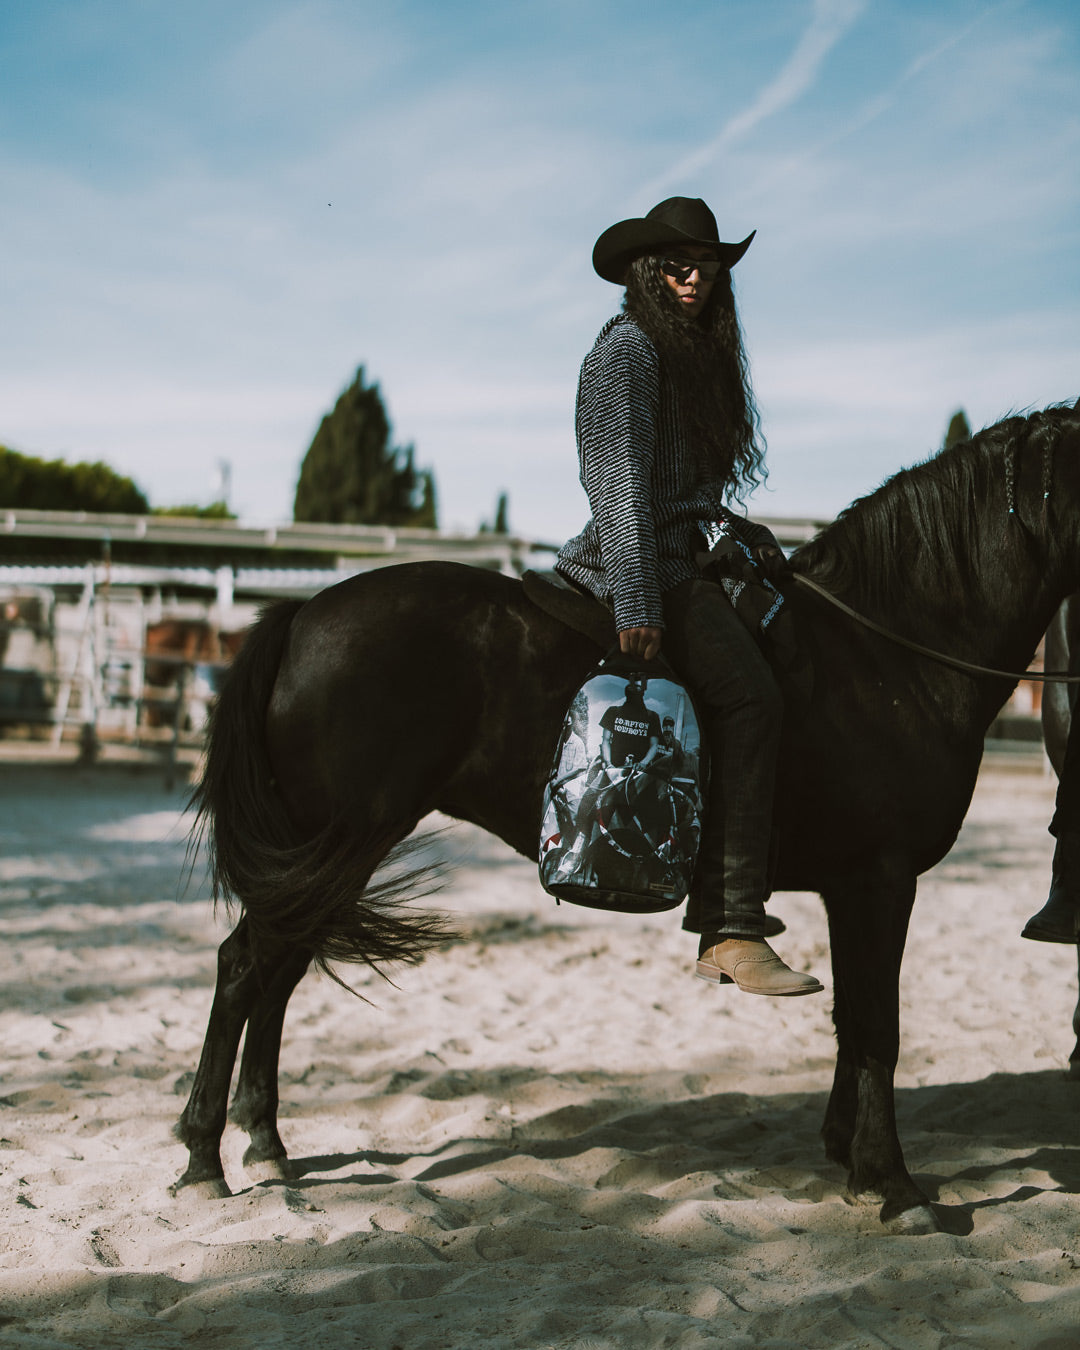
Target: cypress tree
point(351, 475)
point(959, 430)
point(501, 523)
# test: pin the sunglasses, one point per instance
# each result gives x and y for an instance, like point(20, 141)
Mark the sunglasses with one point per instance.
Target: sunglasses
point(679, 269)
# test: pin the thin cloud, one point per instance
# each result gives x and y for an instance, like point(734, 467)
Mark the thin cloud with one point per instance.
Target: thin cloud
point(881, 103)
point(831, 20)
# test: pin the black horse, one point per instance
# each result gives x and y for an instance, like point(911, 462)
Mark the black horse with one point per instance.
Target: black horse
point(434, 686)
point(1062, 652)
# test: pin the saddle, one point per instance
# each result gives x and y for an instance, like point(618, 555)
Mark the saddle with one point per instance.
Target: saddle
point(577, 609)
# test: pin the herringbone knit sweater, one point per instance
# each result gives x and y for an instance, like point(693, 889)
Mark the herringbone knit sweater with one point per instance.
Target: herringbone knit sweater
point(649, 516)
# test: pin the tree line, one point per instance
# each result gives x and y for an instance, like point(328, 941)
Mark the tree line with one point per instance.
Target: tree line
point(352, 474)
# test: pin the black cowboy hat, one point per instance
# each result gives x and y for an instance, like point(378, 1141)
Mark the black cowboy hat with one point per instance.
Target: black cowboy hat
point(679, 220)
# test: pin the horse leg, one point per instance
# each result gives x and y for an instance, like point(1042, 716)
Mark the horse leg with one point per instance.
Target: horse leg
point(868, 918)
point(838, 1129)
point(255, 1103)
point(202, 1123)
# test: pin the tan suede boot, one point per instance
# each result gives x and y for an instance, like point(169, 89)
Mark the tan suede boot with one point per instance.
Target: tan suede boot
point(753, 965)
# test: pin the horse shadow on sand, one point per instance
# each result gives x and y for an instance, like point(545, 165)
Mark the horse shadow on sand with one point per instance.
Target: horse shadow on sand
point(1020, 1129)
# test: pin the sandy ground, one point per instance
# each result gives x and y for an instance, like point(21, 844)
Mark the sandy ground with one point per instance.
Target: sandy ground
point(547, 1135)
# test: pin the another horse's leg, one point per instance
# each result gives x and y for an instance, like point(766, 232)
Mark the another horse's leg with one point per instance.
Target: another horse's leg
point(255, 1104)
point(1074, 1058)
point(203, 1120)
point(868, 918)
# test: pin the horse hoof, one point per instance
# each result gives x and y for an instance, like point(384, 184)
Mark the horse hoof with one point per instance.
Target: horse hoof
point(911, 1222)
point(271, 1169)
point(214, 1188)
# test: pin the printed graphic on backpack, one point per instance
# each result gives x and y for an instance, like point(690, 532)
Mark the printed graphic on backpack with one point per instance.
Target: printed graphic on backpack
point(625, 797)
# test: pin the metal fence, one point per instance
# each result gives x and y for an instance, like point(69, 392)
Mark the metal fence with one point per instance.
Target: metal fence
point(77, 660)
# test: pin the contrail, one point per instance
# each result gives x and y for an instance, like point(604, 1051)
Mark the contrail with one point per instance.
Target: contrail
point(831, 20)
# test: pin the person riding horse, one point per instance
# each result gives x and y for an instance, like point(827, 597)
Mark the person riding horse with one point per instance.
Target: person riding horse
point(667, 429)
point(877, 771)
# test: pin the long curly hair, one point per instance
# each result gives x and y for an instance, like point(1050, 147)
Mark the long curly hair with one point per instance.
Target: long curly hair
point(705, 360)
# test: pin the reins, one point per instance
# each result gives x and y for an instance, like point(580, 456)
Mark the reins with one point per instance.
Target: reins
point(1041, 677)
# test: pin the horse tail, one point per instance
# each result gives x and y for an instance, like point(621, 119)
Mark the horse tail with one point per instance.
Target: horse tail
point(309, 892)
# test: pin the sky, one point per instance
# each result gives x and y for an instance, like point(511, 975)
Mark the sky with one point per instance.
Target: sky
point(214, 213)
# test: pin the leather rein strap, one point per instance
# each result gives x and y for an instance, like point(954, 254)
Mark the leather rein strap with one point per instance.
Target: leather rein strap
point(1041, 677)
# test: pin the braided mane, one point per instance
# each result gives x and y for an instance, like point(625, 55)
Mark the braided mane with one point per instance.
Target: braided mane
point(943, 513)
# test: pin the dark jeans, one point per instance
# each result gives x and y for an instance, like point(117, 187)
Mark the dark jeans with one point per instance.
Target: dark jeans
point(741, 708)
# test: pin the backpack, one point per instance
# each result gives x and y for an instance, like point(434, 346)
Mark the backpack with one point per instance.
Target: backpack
point(624, 800)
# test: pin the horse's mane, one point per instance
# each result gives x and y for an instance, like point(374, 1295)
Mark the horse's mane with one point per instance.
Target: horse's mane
point(942, 512)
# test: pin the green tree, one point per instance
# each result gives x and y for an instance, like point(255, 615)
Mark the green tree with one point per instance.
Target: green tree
point(53, 485)
point(352, 475)
point(959, 430)
point(215, 511)
point(501, 523)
